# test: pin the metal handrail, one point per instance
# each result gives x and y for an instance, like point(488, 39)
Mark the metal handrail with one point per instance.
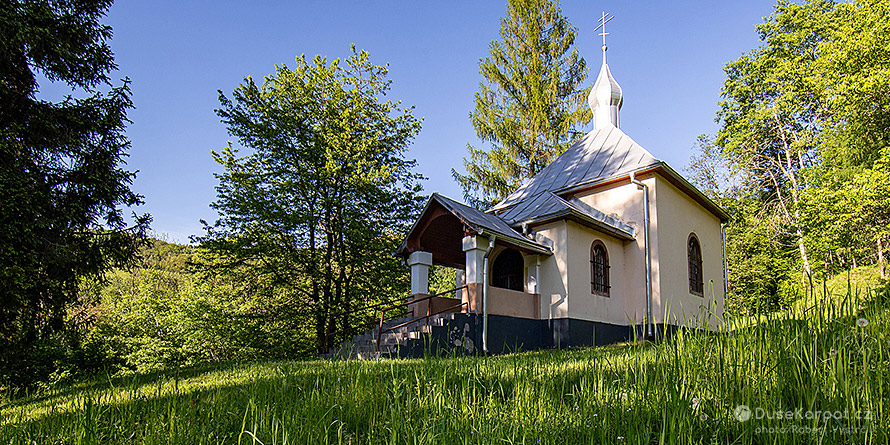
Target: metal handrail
point(380, 329)
point(428, 297)
point(427, 316)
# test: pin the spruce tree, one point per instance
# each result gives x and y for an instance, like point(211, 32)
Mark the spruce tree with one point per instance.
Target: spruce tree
point(63, 183)
point(529, 106)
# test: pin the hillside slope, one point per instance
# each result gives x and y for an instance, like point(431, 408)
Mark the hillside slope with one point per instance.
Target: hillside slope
point(826, 368)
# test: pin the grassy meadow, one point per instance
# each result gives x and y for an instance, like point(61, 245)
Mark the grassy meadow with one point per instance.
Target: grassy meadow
point(817, 373)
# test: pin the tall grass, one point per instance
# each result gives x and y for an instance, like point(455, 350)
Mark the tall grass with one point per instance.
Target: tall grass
point(814, 359)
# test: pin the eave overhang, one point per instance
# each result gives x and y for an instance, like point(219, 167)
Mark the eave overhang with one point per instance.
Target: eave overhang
point(476, 223)
point(583, 219)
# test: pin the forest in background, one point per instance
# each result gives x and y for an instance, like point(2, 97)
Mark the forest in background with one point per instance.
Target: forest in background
point(802, 157)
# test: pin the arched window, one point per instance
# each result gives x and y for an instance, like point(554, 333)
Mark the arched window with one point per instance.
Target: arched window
point(696, 282)
point(599, 269)
point(506, 272)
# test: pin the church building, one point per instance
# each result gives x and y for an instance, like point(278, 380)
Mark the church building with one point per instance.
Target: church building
point(604, 244)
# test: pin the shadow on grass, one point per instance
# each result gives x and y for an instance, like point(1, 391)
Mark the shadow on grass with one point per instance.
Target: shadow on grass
point(682, 388)
point(368, 401)
point(100, 382)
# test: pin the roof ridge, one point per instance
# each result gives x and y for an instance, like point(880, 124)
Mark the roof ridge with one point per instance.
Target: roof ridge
point(601, 153)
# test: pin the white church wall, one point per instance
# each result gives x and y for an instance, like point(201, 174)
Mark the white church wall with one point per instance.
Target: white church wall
point(625, 201)
point(583, 303)
point(678, 216)
point(553, 281)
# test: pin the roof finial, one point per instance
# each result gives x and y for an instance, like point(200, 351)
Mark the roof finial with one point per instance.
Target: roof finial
point(605, 97)
point(605, 19)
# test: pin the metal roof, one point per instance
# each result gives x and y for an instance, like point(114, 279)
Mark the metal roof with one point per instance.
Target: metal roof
point(600, 156)
point(547, 206)
point(603, 153)
point(486, 223)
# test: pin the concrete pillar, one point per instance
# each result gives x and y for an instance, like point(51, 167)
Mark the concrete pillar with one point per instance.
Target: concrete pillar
point(420, 263)
point(460, 278)
point(475, 247)
point(531, 264)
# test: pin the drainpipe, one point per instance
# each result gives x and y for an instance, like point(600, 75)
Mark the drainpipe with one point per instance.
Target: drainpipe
point(649, 331)
point(725, 268)
point(538, 311)
point(485, 295)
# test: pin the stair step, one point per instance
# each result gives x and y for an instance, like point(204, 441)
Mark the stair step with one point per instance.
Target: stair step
point(413, 337)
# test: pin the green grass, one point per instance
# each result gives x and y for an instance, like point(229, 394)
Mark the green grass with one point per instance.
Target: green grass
point(682, 390)
point(854, 284)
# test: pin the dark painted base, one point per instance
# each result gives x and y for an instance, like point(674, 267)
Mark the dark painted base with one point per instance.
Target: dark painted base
point(463, 335)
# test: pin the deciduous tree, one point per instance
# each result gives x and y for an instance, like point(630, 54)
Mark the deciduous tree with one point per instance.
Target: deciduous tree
point(772, 111)
point(325, 193)
point(805, 121)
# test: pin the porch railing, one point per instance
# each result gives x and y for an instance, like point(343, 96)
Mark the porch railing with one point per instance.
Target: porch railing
point(380, 331)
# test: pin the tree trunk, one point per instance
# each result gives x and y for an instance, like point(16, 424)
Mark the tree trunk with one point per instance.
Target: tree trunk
point(789, 171)
point(316, 292)
point(798, 225)
point(319, 334)
point(881, 259)
point(803, 254)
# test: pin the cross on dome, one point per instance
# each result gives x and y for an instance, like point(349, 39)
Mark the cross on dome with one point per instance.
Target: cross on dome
point(605, 97)
point(605, 19)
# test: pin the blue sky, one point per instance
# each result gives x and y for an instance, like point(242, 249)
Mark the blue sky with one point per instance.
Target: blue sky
point(667, 57)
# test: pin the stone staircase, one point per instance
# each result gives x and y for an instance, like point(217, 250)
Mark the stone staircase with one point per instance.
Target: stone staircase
point(446, 333)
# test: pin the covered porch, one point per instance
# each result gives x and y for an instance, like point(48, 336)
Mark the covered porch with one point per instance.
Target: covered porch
point(494, 263)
